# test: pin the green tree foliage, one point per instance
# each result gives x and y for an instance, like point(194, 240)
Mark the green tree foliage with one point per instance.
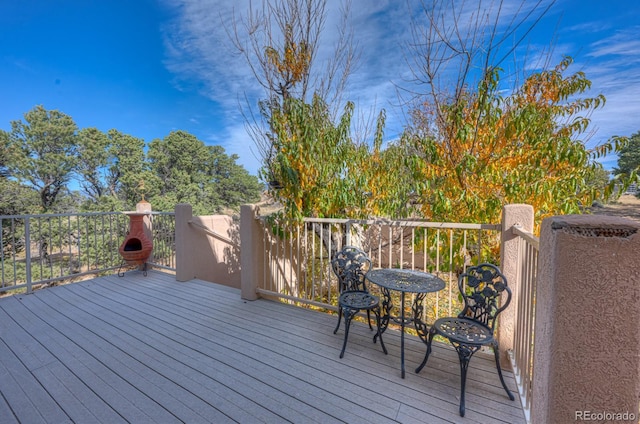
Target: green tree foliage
point(319, 171)
point(491, 150)
point(127, 168)
point(184, 170)
point(40, 156)
point(313, 165)
point(235, 185)
point(179, 162)
point(309, 172)
point(111, 169)
point(93, 156)
point(41, 152)
point(629, 157)
point(599, 182)
point(16, 199)
point(388, 178)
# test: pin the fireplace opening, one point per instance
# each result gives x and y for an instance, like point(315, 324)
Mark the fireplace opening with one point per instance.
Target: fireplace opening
point(132, 245)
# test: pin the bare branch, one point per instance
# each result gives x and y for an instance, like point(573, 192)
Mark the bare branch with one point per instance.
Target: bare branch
point(281, 43)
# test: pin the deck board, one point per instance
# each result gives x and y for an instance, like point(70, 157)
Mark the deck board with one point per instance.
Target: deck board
point(150, 349)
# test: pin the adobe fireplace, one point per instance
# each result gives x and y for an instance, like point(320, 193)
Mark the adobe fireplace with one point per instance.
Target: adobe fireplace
point(136, 246)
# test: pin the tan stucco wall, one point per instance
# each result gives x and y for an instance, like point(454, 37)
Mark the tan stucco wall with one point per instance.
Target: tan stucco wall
point(203, 256)
point(587, 332)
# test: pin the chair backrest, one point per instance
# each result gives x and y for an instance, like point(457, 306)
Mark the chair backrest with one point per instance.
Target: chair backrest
point(351, 265)
point(485, 286)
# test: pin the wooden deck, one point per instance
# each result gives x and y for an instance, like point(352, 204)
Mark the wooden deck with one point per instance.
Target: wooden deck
point(152, 350)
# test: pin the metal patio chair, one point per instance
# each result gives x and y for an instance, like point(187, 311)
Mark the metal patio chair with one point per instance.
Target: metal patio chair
point(351, 265)
point(474, 326)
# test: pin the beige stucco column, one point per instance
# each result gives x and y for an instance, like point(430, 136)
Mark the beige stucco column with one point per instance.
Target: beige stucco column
point(184, 266)
point(251, 252)
point(587, 329)
point(522, 215)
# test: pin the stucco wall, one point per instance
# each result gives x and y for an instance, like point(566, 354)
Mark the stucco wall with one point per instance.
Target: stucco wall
point(202, 255)
point(587, 332)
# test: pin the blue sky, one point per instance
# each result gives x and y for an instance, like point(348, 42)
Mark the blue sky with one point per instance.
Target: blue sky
point(148, 67)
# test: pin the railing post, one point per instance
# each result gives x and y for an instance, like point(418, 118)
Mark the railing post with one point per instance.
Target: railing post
point(27, 248)
point(251, 252)
point(347, 227)
point(587, 348)
point(184, 267)
point(517, 214)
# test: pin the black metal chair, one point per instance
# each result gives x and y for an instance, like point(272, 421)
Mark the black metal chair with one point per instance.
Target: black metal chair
point(474, 326)
point(351, 265)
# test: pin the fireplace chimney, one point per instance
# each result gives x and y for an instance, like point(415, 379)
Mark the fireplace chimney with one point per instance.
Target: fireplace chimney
point(136, 246)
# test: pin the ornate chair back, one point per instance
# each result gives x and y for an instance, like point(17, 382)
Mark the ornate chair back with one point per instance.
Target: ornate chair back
point(351, 265)
point(485, 286)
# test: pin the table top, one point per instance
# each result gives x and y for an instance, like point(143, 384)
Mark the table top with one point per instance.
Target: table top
point(405, 280)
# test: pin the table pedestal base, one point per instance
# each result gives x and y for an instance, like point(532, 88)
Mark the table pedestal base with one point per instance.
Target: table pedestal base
point(416, 307)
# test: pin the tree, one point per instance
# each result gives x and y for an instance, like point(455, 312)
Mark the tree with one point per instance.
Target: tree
point(178, 162)
point(309, 173)
point(235, 185)
point(629, 157)
point(481, 137)
point(320, 171)
point(388, 177)
point(489, 150)
point(599, 183)
point(280, 43)
point(128, 171)
point(313, 165)
point(93, 157)
point(41, 152)
point(16, 199)
point(455, 45)
point(184, 170)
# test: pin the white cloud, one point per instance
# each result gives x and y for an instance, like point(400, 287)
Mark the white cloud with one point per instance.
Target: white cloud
point(612, 66)
point(198, 49)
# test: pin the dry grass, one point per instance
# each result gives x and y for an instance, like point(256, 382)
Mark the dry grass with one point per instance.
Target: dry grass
point(627, 206)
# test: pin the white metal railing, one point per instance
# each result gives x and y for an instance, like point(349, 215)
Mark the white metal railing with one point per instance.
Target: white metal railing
point(522, 354)
point(297, 258)
point(43, 249)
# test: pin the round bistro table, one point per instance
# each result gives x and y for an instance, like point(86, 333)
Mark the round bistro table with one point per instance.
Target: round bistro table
point(404, 281)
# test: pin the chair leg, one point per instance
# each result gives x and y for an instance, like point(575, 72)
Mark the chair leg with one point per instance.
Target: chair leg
point(465, 352)
point(339, 320)
point(464, 365)
point(426, 356)
point(369, 319)
point(348, 314)
point(378, 333)
point(496, 351)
